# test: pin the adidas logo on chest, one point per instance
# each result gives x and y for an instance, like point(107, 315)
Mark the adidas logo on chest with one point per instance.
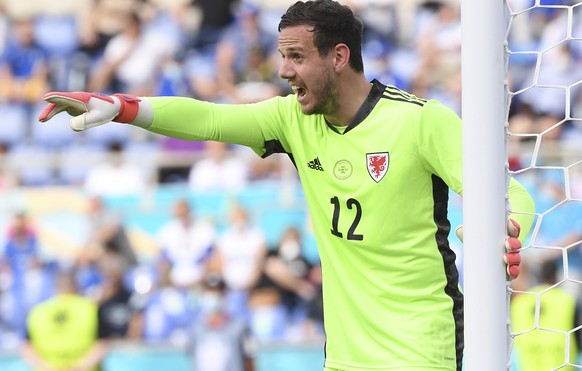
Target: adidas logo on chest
point(315, 164)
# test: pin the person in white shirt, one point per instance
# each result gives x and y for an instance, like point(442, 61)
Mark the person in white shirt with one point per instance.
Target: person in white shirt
point(218, 170)
point(185, 244)
point(241, 253)
point(115, 176)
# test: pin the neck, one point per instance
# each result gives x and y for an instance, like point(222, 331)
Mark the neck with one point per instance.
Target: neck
point(354, 88)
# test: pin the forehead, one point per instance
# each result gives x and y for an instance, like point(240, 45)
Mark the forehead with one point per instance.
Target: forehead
point(296, 37)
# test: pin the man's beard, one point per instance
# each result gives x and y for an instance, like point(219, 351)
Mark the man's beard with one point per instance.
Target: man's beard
point(328, 92)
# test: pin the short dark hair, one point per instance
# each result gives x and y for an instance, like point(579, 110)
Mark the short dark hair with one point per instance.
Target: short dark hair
point(332, 24)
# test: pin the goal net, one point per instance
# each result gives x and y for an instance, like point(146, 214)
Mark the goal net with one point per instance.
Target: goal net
point(544, 69)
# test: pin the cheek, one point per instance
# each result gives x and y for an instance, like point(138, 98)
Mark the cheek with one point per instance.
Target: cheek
point(313, 77)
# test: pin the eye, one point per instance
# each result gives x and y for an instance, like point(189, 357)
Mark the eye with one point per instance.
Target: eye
point(297, 57)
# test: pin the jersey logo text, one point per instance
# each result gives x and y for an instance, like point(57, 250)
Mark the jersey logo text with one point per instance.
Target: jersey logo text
point(315, 164)
point(377, 164)
point(343, 169)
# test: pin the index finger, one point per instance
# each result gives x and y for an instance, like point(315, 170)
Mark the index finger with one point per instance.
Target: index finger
point(513, 228)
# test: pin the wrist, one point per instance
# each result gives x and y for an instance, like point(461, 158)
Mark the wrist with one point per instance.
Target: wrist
point(136, 111)
point(128, 108)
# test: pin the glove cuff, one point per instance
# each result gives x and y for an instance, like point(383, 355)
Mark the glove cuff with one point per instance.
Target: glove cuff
point(129, 107)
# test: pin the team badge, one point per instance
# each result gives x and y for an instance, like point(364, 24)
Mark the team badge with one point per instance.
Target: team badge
point(377, 164)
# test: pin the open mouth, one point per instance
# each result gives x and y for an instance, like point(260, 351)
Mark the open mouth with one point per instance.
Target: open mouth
point(299, 91)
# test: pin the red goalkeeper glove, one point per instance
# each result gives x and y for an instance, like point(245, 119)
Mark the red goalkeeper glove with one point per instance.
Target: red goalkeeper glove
point(90, 109)
point(512, 247)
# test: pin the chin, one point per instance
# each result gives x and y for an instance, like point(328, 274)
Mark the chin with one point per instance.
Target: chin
point(308, 110)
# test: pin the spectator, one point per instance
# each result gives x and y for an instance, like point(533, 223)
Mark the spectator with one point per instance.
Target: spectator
point(115, 176)
point(313, 325)
point(216, 16)
point(240, 257)
point(185, 245)
point(101, 20)
point(23, 65)
point(289, 282)
point(107, 238)
point(22, 264)
point(380, 20)
point(4, 26)
point(8, 178)
point(560, 68)
point(120, 310)
point(438, 48)
point(168, 313)
point(219, 342)
point(62, 331)
point(546, 346)
point(289, 271)
point(218, 170)
point(244, 55)
point(21, 251)
point(132, 60)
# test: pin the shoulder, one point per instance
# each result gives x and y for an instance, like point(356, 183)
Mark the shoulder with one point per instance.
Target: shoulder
point(393, 94)
point(404, 99)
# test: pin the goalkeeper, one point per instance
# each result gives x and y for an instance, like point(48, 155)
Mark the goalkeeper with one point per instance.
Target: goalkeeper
point(376, 164)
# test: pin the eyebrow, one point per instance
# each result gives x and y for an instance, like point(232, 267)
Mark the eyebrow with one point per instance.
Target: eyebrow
point(292, 50)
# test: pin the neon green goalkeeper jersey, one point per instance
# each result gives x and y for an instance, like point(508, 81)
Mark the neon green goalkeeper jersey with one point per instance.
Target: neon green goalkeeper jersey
point(378, 194)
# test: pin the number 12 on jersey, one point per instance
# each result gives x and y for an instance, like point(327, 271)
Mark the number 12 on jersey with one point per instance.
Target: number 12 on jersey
point(351, 203)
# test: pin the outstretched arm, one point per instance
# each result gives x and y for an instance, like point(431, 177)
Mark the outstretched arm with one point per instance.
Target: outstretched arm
point(178, 117)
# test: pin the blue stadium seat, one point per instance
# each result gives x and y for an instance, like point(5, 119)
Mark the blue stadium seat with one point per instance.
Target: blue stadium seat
point(61, 49)
point(210, 204)
point(76, 159)
point(275, 220)
point(110, 133)
point(47, 26)
point(13, 123)
point(166, 194)
point(54, 134)
point(33, 165)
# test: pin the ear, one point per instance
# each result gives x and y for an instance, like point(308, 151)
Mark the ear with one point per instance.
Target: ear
point(341, 57)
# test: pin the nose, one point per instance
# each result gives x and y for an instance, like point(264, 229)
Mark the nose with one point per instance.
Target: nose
point(286, 70)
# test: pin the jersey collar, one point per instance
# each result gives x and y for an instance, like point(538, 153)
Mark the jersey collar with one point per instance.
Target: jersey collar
point(373, 97)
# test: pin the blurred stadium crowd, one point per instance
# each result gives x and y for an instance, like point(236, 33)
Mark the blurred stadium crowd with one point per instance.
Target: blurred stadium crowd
point(147, 221)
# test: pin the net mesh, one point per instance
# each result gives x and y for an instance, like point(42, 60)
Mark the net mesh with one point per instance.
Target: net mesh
point(544, 88)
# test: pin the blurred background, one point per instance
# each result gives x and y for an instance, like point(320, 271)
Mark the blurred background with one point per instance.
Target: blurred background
point(170, 237)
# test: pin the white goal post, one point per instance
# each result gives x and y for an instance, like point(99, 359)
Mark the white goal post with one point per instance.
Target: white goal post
point(484, 114)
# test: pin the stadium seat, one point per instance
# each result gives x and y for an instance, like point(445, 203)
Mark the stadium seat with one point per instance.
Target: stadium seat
point(276, 219)
point(213, 205)
point(60, 50)
point(45, 29)
point(13, 124)
point(76, 159)
point(55, 134)
point(112, 133)
point(33, 165)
